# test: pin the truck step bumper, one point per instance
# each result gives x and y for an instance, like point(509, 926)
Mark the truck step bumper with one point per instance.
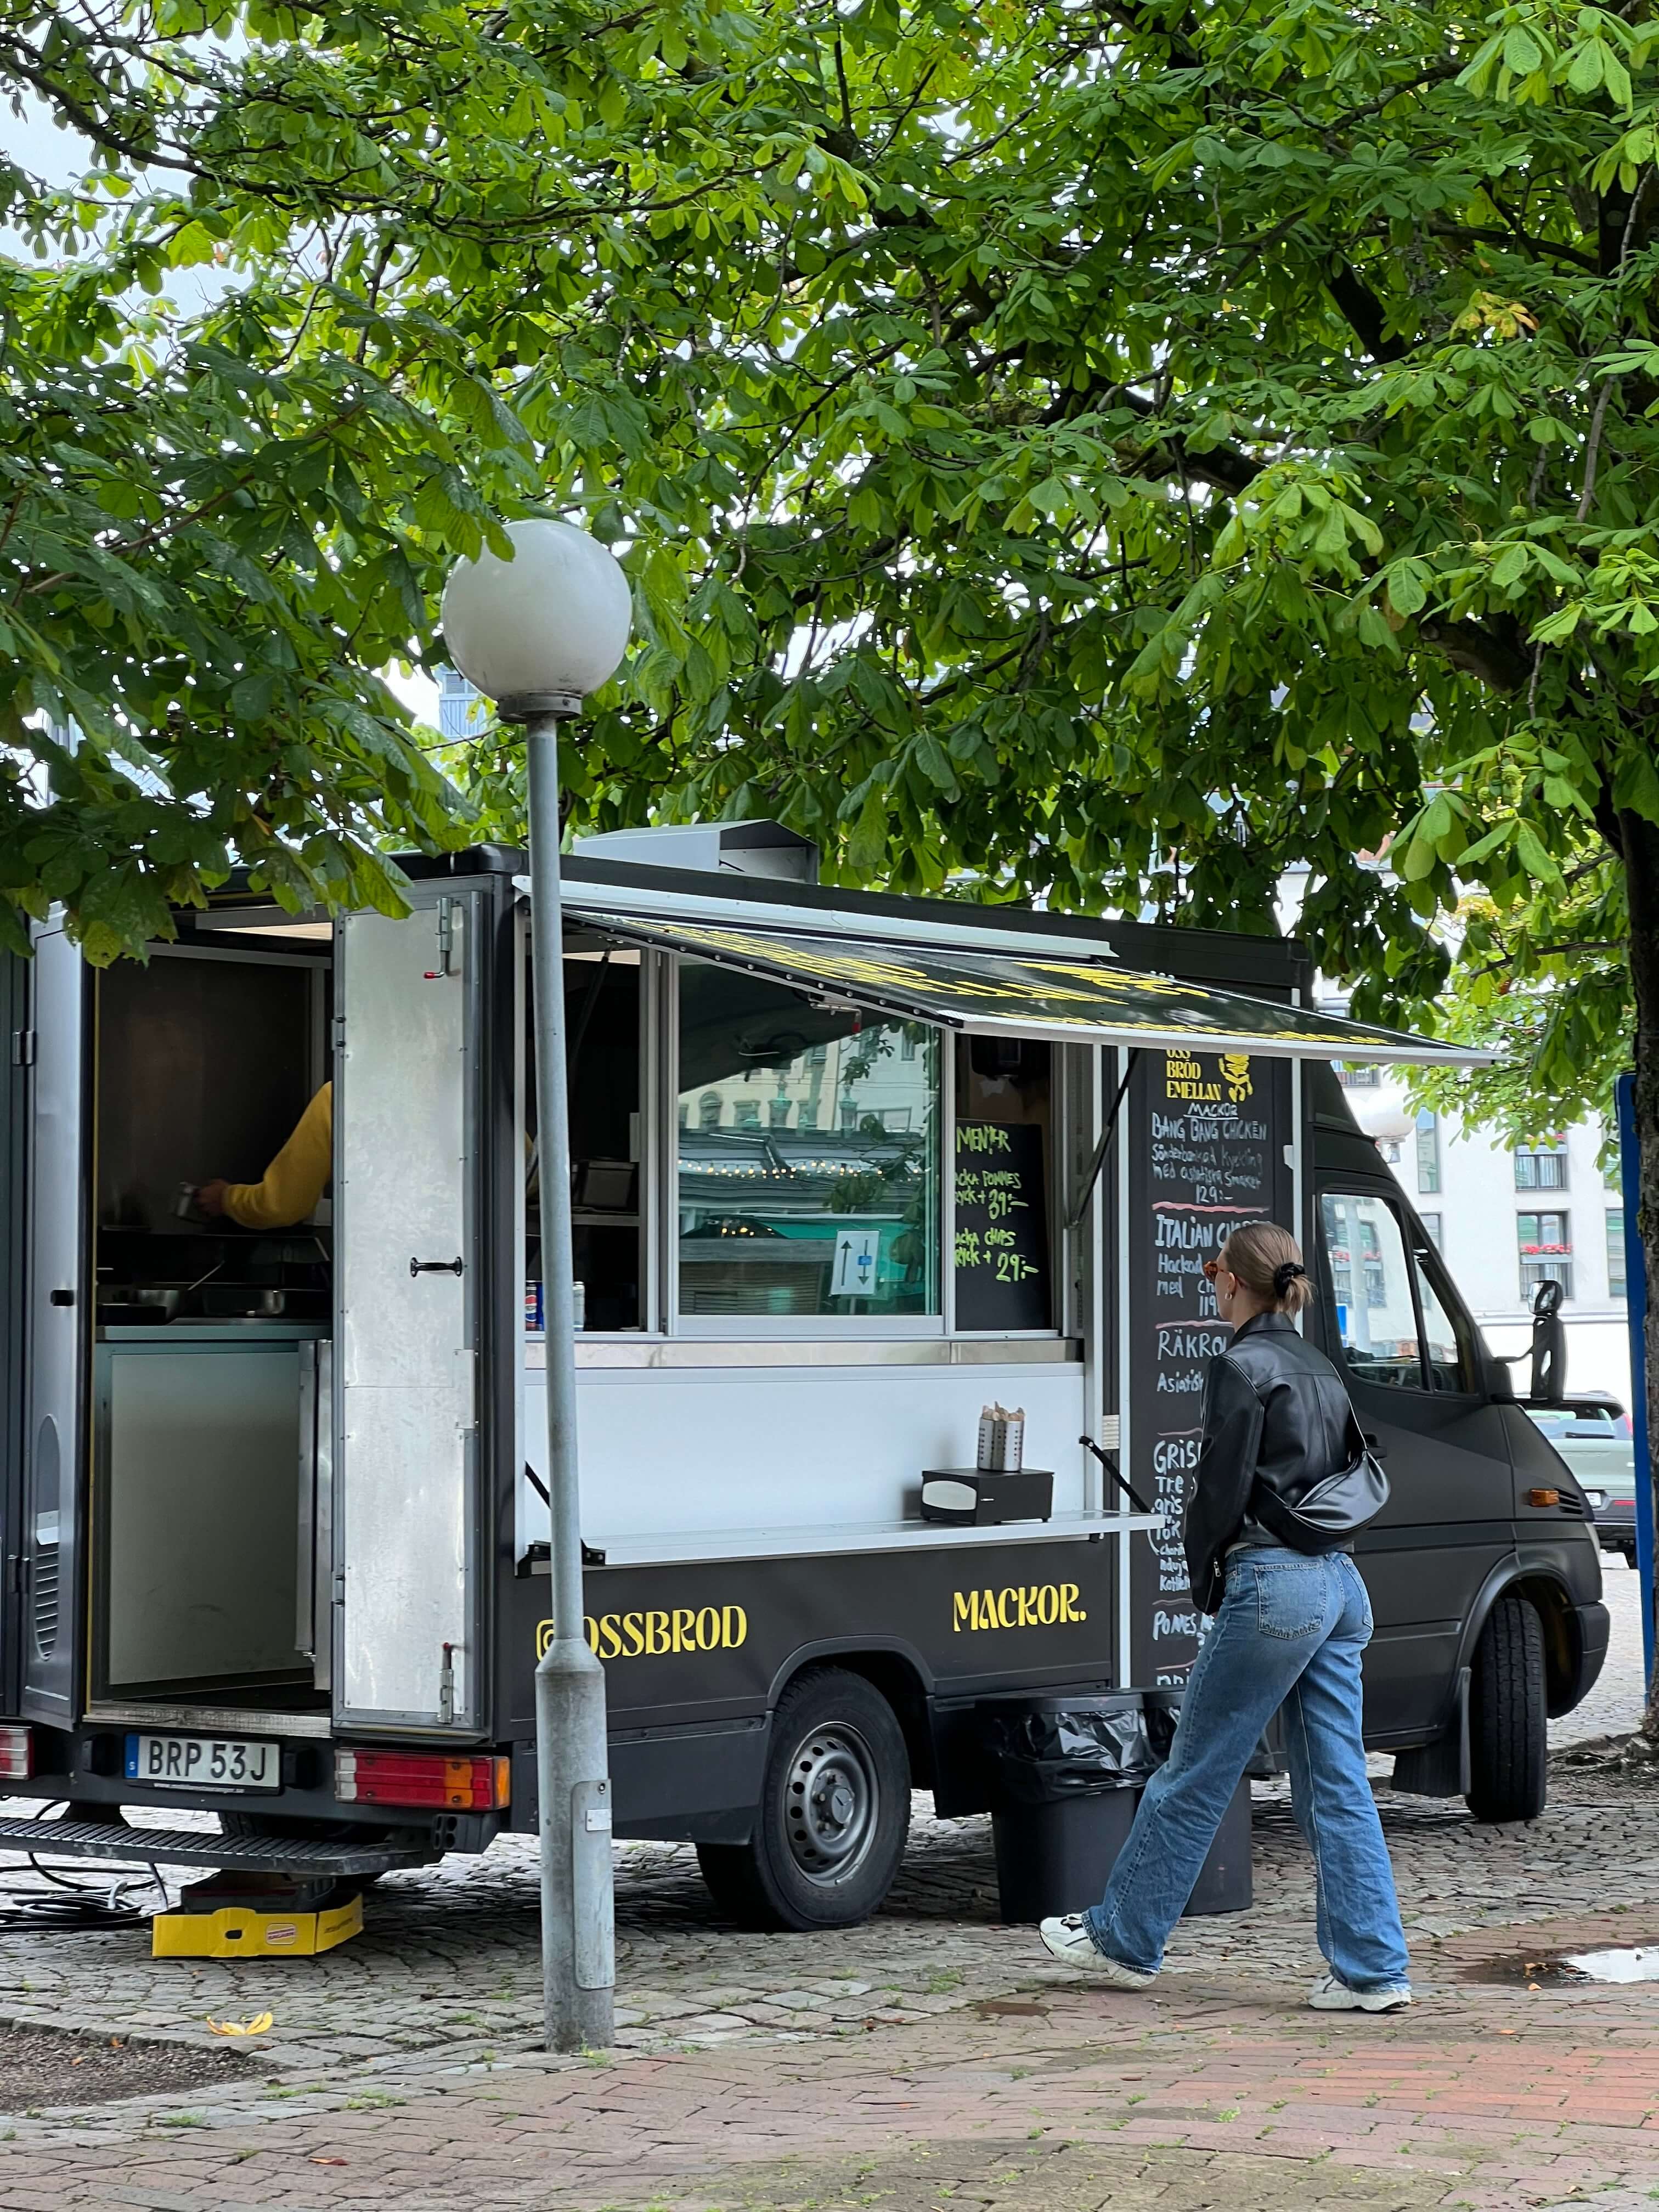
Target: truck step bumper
point(114, 1839)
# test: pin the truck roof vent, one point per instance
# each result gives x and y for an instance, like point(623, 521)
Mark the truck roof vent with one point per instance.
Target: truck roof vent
point(740, 848)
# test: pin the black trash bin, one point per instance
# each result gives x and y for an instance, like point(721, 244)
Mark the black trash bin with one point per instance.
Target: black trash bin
point(1225, 1883)
point(1066, 1777)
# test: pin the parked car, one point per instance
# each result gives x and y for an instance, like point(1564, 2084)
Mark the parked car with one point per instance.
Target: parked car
point(1598, 1445)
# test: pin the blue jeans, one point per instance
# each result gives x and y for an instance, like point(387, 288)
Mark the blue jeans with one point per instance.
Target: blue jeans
point(1290, 1633)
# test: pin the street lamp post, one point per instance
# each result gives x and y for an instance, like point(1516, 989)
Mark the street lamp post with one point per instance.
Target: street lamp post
point(535, 634)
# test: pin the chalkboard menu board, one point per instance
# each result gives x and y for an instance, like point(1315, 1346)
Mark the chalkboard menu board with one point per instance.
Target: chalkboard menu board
point(1002, 1226)
point(1206, 1137)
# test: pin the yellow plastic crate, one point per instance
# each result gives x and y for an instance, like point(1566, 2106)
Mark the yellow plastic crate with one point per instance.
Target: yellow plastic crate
point(239, 1931)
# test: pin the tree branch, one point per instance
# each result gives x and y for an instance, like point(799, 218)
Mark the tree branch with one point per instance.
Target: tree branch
point(1478, 651)
point(1364, 314)
point(1223, 468)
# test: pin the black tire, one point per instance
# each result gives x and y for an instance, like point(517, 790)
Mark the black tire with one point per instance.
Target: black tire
point(834, 1812)
point(1629, 1551)
point(1507, 1739)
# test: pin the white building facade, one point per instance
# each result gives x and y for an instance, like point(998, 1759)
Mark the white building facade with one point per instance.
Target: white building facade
point(1508, 1217)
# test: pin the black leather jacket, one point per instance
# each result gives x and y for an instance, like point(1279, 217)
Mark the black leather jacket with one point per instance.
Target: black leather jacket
point(1276, 1412)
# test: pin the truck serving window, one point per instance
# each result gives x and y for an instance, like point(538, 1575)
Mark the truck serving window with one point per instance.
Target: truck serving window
point(809, 1168)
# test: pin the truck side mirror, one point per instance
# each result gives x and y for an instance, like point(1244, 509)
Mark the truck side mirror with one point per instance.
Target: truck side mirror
point(1549, 1346)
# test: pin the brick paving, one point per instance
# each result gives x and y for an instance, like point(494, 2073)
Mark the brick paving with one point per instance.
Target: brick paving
point(1211, 2090)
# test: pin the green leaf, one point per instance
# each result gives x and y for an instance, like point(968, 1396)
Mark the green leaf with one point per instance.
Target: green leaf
point(1407, 582)
point(1533, 857)
point(1588, 66)
point(1521, 53)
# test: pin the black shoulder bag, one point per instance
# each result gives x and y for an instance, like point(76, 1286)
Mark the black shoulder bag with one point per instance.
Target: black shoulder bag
point(1331, 1512)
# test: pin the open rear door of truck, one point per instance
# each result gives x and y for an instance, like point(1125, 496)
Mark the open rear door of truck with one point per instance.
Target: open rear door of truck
point(51, 1575)
point(409, 1297)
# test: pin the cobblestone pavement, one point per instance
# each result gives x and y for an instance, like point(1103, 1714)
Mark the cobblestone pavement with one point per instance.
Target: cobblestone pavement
point(423, 2030)
point(450, 1960)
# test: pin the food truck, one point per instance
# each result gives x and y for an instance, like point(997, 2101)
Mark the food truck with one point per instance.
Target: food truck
point(846, 1170)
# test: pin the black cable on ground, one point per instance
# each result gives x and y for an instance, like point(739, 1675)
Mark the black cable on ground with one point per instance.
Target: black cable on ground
point(68, 1906)
point(45, 1912)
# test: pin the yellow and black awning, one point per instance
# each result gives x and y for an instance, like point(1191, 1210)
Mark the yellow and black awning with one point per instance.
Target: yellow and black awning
point(1069, 1000)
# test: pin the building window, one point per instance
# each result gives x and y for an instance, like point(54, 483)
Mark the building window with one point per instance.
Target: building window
point(1359, 1079)
point(781, 1222)
point(462, 712)
point(1542, 1166)
point(1428, 1152)
point(1618, 1282)
point(1546, 1244)
point(1432, 1224)
point(1376, 1265)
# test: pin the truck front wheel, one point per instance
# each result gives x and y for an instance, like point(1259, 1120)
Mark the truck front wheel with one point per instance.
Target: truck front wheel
point(1507, 1739)
point(834, 1812)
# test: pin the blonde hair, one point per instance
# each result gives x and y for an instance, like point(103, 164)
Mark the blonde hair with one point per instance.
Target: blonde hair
point(1267, 1261)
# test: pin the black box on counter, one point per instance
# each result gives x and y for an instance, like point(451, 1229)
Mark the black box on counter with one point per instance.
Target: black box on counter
point(968, 1496)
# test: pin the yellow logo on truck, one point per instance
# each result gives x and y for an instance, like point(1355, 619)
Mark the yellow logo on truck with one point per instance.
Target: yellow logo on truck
point(1034, 1605)
point(658, 1634)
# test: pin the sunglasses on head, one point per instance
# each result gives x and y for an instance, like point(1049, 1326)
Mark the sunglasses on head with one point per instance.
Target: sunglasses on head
point(1213, 1268)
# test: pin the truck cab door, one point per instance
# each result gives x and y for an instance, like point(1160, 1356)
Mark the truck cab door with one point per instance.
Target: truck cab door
point(1393, 1323)
point(409, 1290)
point(50, 1576)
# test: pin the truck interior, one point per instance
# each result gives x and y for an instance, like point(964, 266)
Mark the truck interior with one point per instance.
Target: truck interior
point(210, 1435)
point(210, 1423)
point(605, 1020)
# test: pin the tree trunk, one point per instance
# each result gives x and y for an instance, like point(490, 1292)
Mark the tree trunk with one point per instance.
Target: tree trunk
point(1641, 843)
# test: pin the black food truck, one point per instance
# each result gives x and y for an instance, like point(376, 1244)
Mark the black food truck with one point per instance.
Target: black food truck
point(846, 1170)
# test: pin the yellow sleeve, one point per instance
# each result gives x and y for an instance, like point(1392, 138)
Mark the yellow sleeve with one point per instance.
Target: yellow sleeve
point(295, 1179)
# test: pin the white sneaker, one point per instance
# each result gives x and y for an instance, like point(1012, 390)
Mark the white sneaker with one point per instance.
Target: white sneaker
point(1329, 1995)
point(1069, 1938)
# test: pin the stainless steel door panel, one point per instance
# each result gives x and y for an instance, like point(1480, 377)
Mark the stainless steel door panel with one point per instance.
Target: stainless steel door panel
point(56, 1327)
point(406, 1334)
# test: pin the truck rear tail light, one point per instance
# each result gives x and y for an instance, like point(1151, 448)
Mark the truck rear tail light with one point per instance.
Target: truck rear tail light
point(16, 1753)
point(422, 1777)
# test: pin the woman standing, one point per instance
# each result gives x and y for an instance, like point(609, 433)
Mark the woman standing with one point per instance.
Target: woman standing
point(1289, 1630)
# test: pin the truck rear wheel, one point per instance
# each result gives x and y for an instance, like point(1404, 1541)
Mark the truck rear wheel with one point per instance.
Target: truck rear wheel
point(834, 1812)
point(1507, 1738)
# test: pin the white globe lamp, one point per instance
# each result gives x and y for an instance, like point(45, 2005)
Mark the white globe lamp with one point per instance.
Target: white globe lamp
point(536, 633)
